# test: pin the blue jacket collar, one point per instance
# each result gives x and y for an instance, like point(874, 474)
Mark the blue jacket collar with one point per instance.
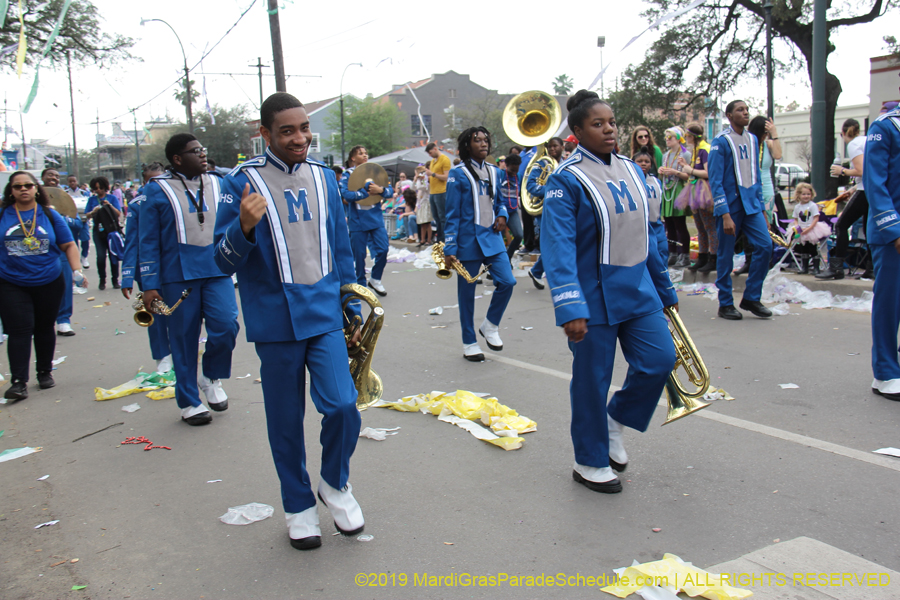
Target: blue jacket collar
point(271, 158)
point(591, 155)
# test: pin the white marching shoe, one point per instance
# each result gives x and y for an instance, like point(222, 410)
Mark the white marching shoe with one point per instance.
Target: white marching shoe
point(618, 459)
point(196, 415)
point(64, 329)
point(85, 263)
point(491, 335)
point(375, 284)
point(890, 389)
point(303, 527)
point(215, 395)
point(473, 352)
point(164, 365)
point(345, 510)
point(598, 479)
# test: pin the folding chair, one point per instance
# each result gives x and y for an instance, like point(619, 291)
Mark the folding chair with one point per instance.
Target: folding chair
point(789, 251)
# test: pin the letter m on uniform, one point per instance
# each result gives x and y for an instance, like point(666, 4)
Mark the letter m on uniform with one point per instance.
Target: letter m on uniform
point(621, 191)
point(296, 203)
point(192, 202)
point(743, 152)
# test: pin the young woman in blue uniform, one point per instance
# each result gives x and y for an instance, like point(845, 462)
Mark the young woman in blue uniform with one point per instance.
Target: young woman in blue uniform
point(158, 332)
point(555, 150)
point(366, 223)
point(881, 174)
point(474, 223)
point(281, 229)
point(608, 284)
point(736, 186)
point(176, 253)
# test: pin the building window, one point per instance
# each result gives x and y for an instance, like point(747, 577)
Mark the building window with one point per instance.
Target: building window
point(414, 119)
point(453, 93)
point(417, 128)
point(314, 145)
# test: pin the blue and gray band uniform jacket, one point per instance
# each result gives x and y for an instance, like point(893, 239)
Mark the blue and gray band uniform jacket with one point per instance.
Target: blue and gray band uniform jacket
point(734, 176)
point(362, 218)
point(174, 245)
point(472, 206)
point(882, 179)
point(598, 244)
point(297, 257)
point(657, 227)
point(130, 274)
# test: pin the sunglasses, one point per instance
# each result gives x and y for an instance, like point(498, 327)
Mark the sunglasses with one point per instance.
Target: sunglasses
point(23, 186)
point(197, 151)
point(642, 136)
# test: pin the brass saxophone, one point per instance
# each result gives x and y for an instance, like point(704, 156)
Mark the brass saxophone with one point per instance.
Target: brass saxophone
point(681, 401)
point(444, 270)
point(368, 384)
point(144, 317)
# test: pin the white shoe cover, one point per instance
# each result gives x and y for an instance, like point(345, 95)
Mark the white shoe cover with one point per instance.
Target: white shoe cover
point(164, 365)
point(491, 334)
point(344, 508)
point(616, 444)
point(190, 411)
point(303, 524)
point(212, 389)
point(596, 474)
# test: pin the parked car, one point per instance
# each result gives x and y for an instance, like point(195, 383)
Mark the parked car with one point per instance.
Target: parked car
point(788, 175)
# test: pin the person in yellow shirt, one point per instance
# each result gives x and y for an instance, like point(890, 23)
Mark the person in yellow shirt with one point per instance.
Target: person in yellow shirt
point(437, 172)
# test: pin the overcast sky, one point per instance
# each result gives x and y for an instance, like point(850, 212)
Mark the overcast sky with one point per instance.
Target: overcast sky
point(500, 47)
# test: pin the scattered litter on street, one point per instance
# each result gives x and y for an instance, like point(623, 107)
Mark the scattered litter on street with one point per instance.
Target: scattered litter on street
point(119, 331)
point(778, 288)
point(91, 299)
point(244, 376)
point(214, 481)
point(59, 360)
point(789, 386)
point(47, 524)
point(142, 382)
point(527, 328)
point(378, 433)
point(437, 310)
point(43, 478)
point(439, 327)
point(132, 407)
point(142, 440)
point(257, 380)
point(14, 453)
point(888, 451)
point(365, 538)
point(681, 577)
point(247, 513)
point(75, 588)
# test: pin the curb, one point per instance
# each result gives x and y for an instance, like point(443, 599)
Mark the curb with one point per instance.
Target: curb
point(841, 287)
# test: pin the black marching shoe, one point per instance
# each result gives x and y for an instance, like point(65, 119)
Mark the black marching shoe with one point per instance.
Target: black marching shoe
point(17, 391)
point(702, 259)
point(102, 285)
point(308, 543)
point(116, 285)
point(756, 307)
point(45, 380)
point(617, 466)
point(606, 487)
point(730, 312)
point(537, 282)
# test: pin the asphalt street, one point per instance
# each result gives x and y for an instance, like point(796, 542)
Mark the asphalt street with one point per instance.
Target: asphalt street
point(773, 464)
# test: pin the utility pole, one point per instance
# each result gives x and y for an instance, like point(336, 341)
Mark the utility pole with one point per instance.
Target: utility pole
point(24, 143)
point(72, 103)
point(601, 42)
point(277, 54)
point(137, 146)
point(98, 142)
point(5, 122)
point(259, 67)
point(820, 161)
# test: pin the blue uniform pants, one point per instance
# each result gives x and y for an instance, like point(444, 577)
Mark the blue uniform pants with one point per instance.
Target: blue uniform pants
point(159, 337)
point(757, 233)
point(538, 269)
point(885, 312)
point(647, 346)
point(377, 239)
point(504, 281)
point(85, 238)
point(65, 305)
point(282, 368)
point(211, 301)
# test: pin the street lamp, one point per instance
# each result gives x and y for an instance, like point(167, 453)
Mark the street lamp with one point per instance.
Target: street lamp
point(187, 74)
point(342, 107)
point(770, 91)
point(601, 42)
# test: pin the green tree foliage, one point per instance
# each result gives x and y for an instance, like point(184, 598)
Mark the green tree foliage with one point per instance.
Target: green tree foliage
point(562, 85)
point(721, 43)
point(487, 111)
point(181, 93)
point(82, 33)
point(643, 99)
point(377, 125)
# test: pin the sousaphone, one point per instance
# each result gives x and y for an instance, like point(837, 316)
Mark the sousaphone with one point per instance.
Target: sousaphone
point(530, 119)
point(365, 173)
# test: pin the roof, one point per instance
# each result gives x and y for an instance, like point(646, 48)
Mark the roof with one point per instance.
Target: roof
point(314, 107)
point(400, 90)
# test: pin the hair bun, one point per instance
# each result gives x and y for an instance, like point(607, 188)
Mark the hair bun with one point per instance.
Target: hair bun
point(580, 97)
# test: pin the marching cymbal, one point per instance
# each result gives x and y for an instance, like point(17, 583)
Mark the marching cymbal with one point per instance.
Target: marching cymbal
point(61, 202)
point(365, 173)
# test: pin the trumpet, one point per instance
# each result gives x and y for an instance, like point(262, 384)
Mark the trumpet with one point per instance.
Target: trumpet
point(444, 270)
point(369, 386)
point(144, 317)
point(681, 401)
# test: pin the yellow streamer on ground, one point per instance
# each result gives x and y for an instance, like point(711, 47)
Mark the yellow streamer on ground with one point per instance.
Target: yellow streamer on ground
point(166, 392)
point(23, 46)
point(142, 382)
point(463, 409)
point(675, 575)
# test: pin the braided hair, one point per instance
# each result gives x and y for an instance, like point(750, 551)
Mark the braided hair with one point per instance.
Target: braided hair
point(463, 143)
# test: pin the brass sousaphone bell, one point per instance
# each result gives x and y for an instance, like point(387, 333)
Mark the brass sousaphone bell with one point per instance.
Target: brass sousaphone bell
point(365, 173)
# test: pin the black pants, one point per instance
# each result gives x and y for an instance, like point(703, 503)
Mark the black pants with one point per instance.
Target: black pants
point(30, 312)
point(528, 230)
point(857, 208)
point(102, 252)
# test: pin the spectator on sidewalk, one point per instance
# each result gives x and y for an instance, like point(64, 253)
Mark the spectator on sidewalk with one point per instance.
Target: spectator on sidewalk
point(437, 171)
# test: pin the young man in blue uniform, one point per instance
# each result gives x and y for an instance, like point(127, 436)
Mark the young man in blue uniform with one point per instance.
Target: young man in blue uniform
point(881, 174)
point(608, 284)
point(105, 210)
point(281, 229)
point(366, 223)
point(176, 251)
point(84, 237)
point(158, 331)
point(735, 182)
point(474, 223)
point(50, 179)
point(510, 197)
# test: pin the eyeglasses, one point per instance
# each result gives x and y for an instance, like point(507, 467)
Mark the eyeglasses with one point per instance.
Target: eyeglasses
point(642, 136)
point(197, 151)
point(23, 186)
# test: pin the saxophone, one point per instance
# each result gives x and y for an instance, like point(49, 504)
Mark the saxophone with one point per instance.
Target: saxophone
point(444, 270)
point(368, 384)
point(144, 317)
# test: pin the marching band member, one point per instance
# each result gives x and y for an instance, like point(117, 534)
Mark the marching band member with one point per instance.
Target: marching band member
point(475, 218)
point(608, 283)
point(366, 223)
point(50, 179)
point(281, 229)
point(644, 160)
point(176, 252)
point(881, 174)
point(555, 150)
point(158, 331)
point(734, 180)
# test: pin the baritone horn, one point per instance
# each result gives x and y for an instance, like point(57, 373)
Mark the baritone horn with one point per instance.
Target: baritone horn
point(530, 119)
point(369, 386)
point(144, 317)
point(682, 401)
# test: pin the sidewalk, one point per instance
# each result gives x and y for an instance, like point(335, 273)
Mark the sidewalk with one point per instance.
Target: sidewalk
point(841, 287)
